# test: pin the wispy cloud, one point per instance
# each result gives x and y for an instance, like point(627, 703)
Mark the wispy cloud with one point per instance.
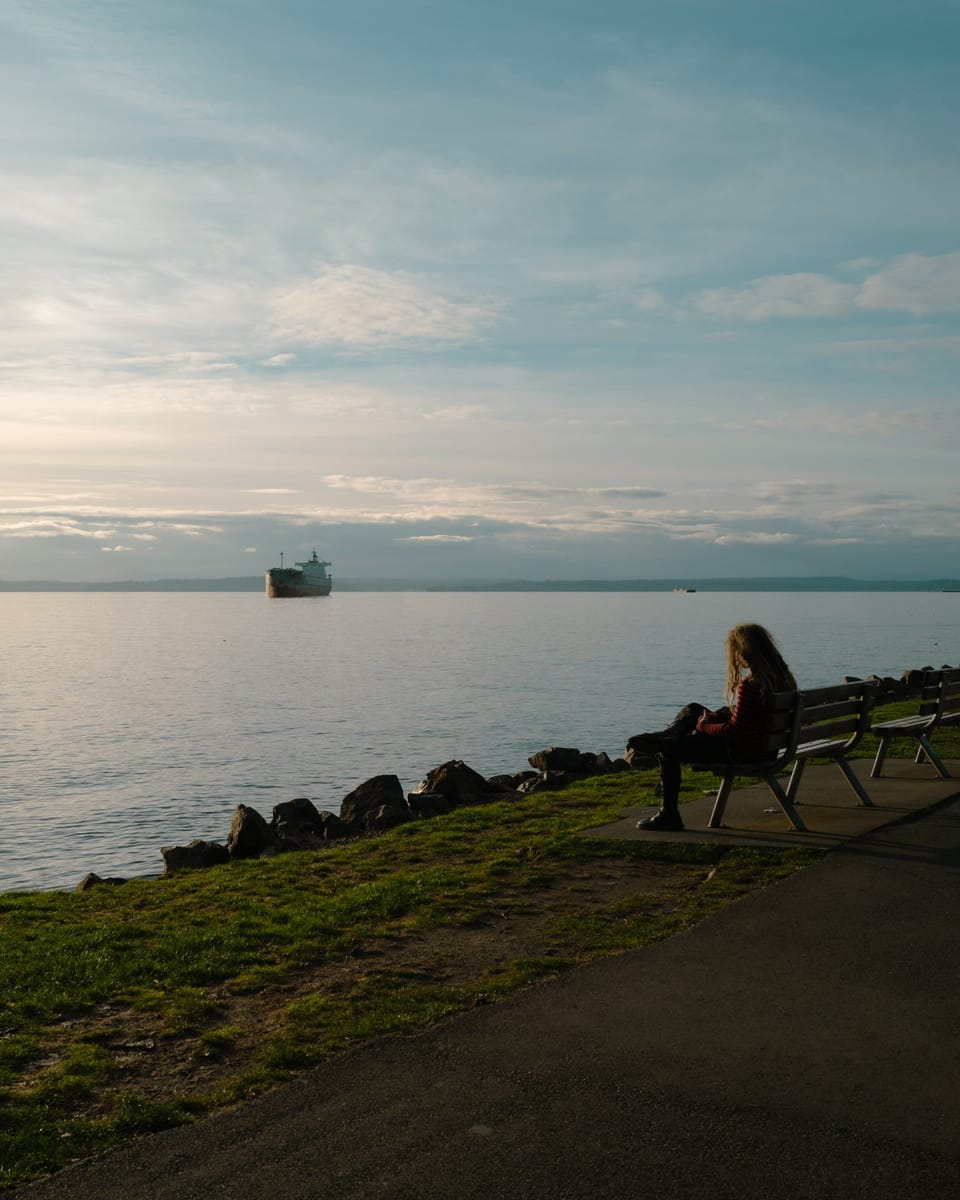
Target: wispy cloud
point(358, 306)
point(914, 283)
point(439, 538)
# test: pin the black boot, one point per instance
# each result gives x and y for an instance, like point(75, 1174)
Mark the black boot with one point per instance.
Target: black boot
point(664, 820)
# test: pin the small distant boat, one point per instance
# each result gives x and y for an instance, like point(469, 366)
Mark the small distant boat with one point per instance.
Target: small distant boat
point(684, 589)
point(308, 578)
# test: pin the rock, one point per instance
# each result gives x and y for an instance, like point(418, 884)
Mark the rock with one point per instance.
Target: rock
point(428, 804)
point(334, 827)
point(913, 679)
point(557, 758)
point(547, 781)
point(364, 801)
point(298, 825)
point(503, 783)
point(195, 854)
point(91, 880)
point(639, 760)
point(521, 777)
point(387, 816)
point(250, 835)
point(458, 782)
point(576, 762)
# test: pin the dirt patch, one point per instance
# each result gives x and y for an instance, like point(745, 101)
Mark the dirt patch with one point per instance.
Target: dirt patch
point(152, 1062)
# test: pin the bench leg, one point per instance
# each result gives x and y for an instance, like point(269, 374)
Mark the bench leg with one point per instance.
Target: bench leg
point(877, 768)
point(854, 782)
point(928, 750)
point(723, 793)
point(793, 786)
point(785, 803)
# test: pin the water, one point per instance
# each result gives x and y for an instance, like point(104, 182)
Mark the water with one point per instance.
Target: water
point(137, 720)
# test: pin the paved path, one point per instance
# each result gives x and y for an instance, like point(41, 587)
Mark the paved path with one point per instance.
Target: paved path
point(803, 1042)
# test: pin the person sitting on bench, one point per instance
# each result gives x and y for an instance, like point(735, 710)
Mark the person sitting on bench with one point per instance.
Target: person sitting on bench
point(755, 669)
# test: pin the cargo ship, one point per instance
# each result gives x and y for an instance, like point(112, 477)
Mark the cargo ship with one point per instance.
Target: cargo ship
point(308, 578)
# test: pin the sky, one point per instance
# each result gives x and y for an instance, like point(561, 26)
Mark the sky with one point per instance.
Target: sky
point(568, 289)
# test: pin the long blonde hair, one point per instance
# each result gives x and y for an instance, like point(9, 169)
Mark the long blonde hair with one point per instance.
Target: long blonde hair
point(752, 651)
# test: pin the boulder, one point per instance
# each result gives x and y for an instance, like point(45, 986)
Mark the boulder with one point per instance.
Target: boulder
point(546, 781)
point(250, 836)
point(334, 827)
point(557, 758)
point(428, 804)
point(387, 816)
point(298, 825)
point(504, 783)
point(638, 760)
point(195, 854)
point(912, 680)
point(373, 794)
point(91, 880)
point(458, 782)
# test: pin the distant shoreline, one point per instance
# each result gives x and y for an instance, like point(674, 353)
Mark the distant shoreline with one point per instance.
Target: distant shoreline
point(255, 583)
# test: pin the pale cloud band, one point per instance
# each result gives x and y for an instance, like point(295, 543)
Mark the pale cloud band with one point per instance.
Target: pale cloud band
point(351, 305)
point(914, 283)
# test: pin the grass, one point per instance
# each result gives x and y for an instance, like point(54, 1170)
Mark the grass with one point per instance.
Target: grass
point(129, 1008)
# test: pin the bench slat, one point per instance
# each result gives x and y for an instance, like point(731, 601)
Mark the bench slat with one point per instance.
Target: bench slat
point(830, 729)
point(826, 712)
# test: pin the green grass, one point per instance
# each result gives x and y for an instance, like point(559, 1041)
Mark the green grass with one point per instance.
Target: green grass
point(85, 972)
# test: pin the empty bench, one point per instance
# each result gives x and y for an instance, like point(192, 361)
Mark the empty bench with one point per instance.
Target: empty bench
point(939, 705)
point(827, 722)
point(833, 721)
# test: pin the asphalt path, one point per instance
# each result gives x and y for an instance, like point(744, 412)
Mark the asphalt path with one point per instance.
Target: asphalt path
point(802, 1042)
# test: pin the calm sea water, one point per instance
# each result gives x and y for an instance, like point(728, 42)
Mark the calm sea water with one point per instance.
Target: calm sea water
point(136, 720)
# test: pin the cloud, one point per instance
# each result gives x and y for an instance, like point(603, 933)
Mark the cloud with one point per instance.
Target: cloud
point(756, 539)
point(801, 295)
point(445, 538)
point(358, 306)
point(914, 283)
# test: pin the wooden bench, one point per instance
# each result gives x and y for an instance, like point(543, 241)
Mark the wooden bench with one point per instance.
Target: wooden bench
point(939, 705)
point(833, 721)
point(827, 722)
point(784, 711)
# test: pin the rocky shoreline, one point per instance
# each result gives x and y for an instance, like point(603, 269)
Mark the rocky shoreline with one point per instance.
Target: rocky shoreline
point(379, 803)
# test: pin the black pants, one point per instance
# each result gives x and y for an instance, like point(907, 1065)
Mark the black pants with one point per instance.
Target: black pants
point(680, 743)
point(703, 749)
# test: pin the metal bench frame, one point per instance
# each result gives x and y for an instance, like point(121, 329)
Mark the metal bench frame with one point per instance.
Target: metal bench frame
point(785, 711)
point(939, 705)
point(832, 724)
point(827, 722)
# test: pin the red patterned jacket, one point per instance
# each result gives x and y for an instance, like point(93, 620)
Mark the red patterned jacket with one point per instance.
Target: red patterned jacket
point(747, 725)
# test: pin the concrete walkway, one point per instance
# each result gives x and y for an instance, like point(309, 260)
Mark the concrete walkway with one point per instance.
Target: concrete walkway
point(803, 1042)
point(825, 801)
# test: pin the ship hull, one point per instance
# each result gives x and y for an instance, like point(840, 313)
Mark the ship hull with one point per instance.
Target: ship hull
point(285, 584)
